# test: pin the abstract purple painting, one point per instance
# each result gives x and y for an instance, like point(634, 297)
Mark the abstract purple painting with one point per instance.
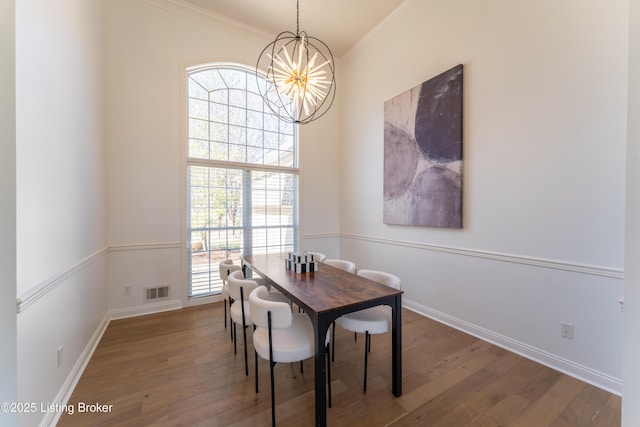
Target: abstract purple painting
point(423, 154)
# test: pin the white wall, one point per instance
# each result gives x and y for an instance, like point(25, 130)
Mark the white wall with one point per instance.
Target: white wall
point(61, 198)
point(544, 173)
point(149, 43)
point(631, 368)
point(8, 320)
point(59, 128)
point(320, 183)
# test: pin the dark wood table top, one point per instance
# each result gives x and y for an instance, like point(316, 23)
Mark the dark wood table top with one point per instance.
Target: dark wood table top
point(339, 290)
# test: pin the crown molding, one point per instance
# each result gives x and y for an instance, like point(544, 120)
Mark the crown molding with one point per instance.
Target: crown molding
point(190, 10)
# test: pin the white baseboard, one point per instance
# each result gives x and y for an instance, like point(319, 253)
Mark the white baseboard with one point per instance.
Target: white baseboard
point(583, 373)
point(51, 417)
point(149, 308)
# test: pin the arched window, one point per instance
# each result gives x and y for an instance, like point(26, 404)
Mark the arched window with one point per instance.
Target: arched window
point(242, 174)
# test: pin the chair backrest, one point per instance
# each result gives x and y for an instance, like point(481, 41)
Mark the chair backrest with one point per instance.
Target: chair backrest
point(342, 264)
point(237, 281)
point(317, 256)
point(381, 277)
point(226, 267)
point(260, 306)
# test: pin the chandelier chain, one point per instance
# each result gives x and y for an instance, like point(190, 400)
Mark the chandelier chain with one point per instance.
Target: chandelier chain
point(297, 17)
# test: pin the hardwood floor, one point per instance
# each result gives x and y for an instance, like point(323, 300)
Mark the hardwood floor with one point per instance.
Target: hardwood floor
point(178, 369)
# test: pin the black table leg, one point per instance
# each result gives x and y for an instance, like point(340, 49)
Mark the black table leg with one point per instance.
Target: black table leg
point(396, 342)
point(320, 329)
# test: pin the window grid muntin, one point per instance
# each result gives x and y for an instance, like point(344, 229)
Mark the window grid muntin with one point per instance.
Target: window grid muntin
point(272, 145)
point(285, 155)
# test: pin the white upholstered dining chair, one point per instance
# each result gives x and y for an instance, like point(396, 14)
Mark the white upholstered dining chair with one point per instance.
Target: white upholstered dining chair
point(281, 337)
point(225, 268)
point(373, 320)
point(239, 290)
point(349, 267)
point(342, 264)
point(317, 256)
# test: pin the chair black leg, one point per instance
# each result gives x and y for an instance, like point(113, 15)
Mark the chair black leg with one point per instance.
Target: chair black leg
point(244, 331)
point(246, 365)
point(225, 313)
point(328, 372)
point(301, 367)
point(271, 365)
point(234, 336)
point(230, 319)
point(355, 336)
point(367, 337)
point(256, 358)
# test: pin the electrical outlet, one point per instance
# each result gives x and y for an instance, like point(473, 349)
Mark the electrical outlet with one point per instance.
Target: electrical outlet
point(60, 356)
point(566, 330)
point(127, 290)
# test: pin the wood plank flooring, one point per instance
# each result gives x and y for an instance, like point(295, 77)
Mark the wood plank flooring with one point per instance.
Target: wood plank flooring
point(178, 369)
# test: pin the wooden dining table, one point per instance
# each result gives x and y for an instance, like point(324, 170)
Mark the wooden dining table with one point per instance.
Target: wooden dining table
point(325, 295)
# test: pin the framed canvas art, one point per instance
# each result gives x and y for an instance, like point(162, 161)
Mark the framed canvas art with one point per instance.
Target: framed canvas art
point(423, 154)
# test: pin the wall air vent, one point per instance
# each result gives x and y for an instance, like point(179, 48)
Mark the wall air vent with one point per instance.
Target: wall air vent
point(154, 294)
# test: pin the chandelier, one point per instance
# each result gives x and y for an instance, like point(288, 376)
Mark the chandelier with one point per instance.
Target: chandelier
point(300, 83)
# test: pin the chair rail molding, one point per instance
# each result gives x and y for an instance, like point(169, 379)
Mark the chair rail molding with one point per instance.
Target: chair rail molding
point(321, 235)
point(42, 289)
point(39, 291)
point(145, 246)
point(614, 273)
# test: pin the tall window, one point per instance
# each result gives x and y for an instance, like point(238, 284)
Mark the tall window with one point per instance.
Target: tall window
point(242, 174)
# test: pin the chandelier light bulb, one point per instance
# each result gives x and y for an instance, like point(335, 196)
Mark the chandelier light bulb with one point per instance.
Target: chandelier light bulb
point(302, 85)
point(299, 85)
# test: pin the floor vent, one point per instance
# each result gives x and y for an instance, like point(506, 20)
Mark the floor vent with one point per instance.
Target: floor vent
point(154, 294)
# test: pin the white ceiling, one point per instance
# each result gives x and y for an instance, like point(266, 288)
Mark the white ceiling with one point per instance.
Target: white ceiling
point(338, 23)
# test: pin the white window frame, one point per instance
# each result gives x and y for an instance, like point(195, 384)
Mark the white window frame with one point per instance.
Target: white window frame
point(186, 161)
